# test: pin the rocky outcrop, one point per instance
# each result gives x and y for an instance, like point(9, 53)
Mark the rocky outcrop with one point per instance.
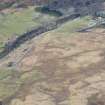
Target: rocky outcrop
point(78, 6)
point(64, 6)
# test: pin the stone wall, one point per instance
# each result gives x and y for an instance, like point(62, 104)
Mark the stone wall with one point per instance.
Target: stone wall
point(16, 42)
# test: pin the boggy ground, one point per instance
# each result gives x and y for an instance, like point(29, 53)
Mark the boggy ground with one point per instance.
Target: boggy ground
point(58, 69)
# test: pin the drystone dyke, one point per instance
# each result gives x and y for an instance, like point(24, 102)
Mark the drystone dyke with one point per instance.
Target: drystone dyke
point(11, 45)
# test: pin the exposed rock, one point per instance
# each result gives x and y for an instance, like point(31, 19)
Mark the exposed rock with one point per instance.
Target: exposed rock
point(77, 6)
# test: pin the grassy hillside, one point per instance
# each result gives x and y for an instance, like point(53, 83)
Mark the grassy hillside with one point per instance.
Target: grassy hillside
point(74, 25)
point(15, 22)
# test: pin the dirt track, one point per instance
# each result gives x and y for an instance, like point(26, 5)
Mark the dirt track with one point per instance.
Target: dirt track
point(70, 65)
